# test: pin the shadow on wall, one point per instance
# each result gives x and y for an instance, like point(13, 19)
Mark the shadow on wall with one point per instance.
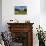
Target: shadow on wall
point(43, 6)
point(0, 15)
point(0, 23)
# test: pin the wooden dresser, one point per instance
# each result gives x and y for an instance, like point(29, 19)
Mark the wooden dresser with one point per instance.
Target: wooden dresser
point(22, 33)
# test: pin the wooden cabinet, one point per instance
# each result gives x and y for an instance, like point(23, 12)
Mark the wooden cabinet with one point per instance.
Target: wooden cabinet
point(22, 33)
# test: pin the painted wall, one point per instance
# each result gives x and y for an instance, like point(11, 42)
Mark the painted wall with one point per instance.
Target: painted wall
point(33, 11)
point(0, 15)
point(43, 14)
point(34, 14)
point(43, 6)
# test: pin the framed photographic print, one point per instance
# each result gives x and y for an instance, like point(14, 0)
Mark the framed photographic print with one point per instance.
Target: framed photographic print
point(20, 10)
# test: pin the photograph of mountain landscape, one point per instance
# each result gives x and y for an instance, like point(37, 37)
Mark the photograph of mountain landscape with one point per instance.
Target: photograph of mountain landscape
point(20, 10)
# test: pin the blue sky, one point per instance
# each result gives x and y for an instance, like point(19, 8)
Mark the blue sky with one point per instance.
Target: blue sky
point(20, 7)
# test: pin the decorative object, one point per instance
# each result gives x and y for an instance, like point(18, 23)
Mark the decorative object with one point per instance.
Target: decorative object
point(27, 21)
point(20, 10)
point(13, 21)
point(41, 36)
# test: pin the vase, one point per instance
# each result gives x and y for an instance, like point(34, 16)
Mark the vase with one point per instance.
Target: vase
point(41, 43)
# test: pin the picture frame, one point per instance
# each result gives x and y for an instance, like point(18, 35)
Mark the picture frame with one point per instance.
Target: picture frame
point(20, 10)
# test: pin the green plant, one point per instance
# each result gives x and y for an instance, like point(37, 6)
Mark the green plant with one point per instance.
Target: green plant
point(40, 34)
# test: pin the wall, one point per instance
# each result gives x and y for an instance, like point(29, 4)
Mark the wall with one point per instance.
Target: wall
point(0, 15)
point(43, 6)
point(33, 8)
point(43, 14)
point(34, 14)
